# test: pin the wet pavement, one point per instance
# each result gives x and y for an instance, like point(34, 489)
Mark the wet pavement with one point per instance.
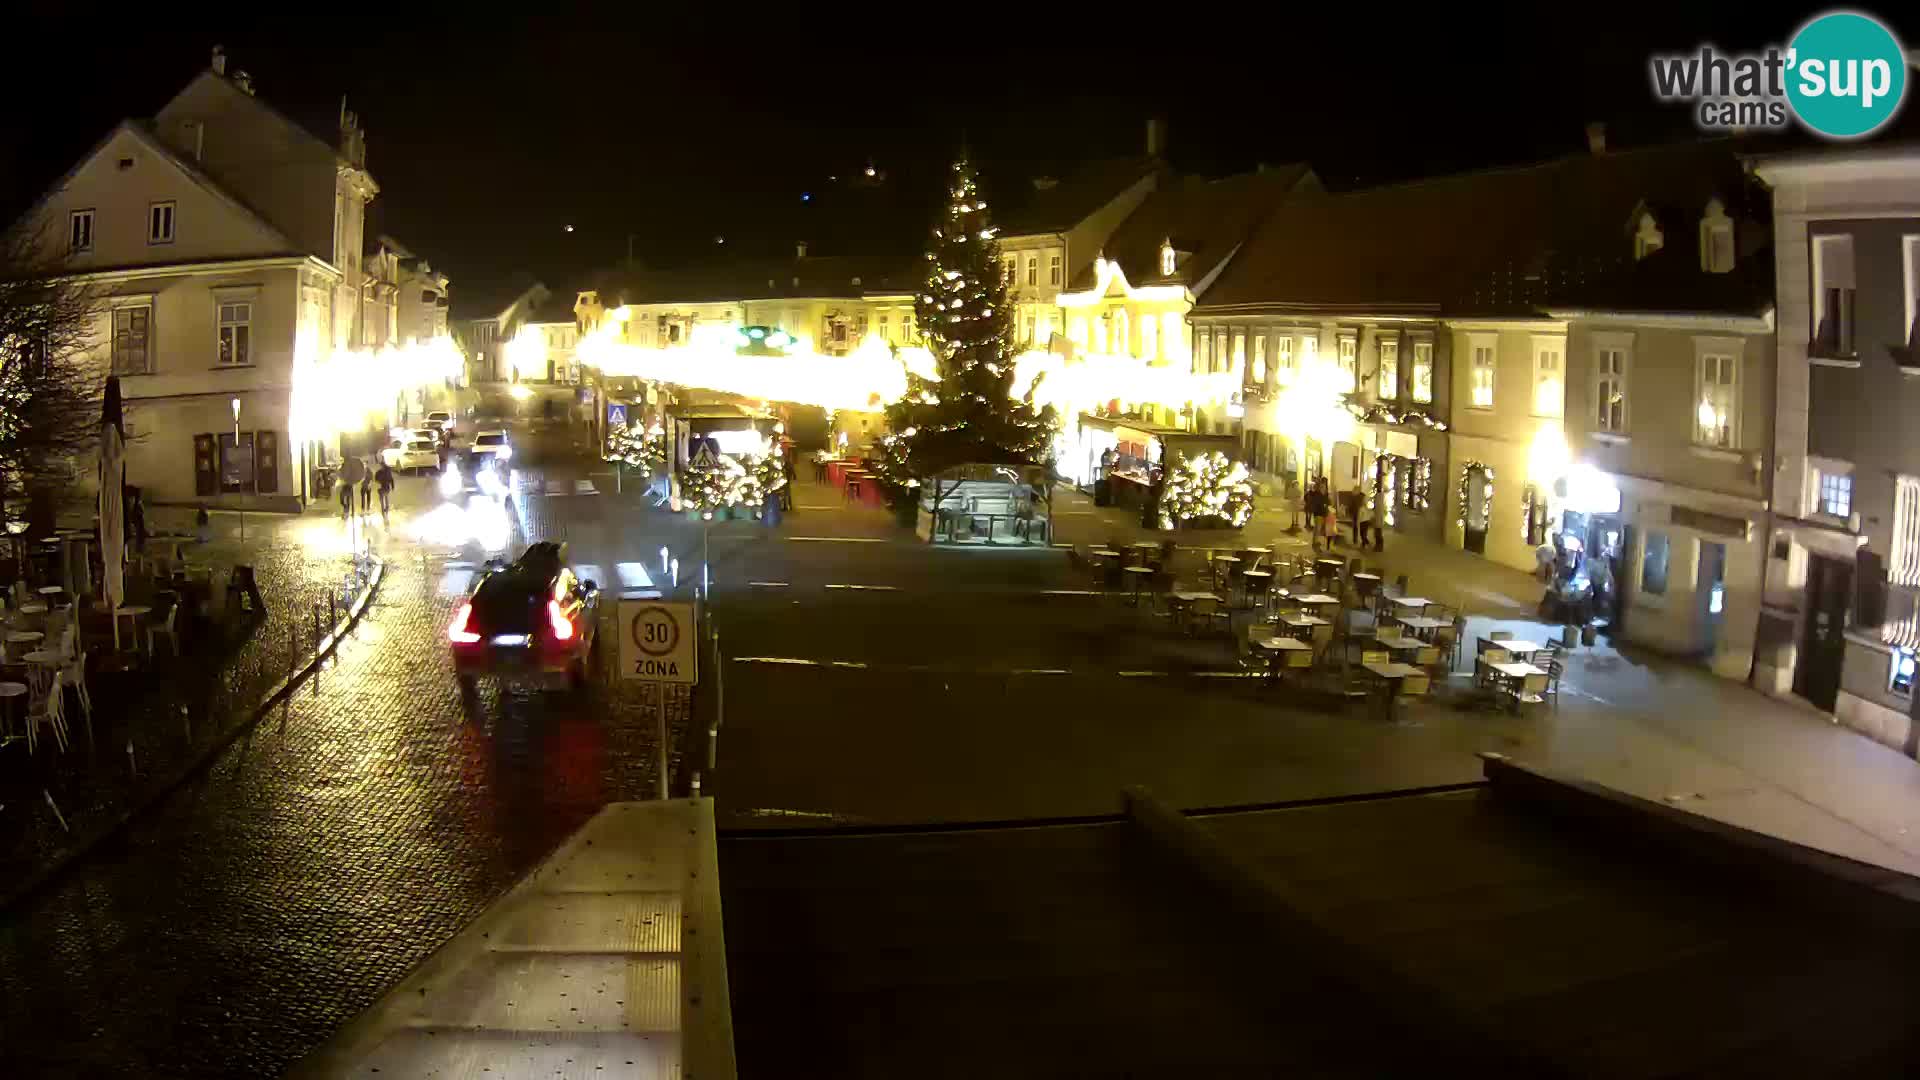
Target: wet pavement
point(320, 857)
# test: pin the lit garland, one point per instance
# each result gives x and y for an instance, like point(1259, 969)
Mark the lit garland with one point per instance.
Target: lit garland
point(1384, 483)
point(1466, 470)
point(1380, 414)
point(1204, 487)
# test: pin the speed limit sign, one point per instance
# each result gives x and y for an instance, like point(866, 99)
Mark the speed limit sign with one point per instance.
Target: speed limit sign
point(657, 642)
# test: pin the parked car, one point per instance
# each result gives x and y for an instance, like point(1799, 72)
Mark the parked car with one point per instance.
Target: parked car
point(412, 454)
point(429, 434)
point(493, 444)
point(531, 621)
point(442, 422)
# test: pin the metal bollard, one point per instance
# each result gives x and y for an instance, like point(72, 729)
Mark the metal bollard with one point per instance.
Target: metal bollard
point(333, 615)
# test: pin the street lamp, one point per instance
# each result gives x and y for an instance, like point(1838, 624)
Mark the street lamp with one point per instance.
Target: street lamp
point(236, 453)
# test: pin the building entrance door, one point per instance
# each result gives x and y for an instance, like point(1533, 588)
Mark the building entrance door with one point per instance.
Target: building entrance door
point(1823, 644)
point(1479, 507)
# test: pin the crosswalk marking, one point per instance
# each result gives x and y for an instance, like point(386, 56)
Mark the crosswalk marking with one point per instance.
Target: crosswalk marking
point(633, 575)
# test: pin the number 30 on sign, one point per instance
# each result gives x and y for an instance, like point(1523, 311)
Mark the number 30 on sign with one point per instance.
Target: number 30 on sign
point(657, 642)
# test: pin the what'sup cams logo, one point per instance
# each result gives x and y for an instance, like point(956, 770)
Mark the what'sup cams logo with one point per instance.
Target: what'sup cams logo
point(1843, 76)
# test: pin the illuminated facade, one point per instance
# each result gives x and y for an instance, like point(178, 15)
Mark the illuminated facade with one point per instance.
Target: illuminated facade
point(1842, 619)
point(221, 280)
point(1049, 240)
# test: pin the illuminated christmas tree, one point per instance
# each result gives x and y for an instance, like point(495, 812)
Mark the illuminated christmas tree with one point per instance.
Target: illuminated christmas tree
point(635, 447)
point(1205, 488)
point(971, 412)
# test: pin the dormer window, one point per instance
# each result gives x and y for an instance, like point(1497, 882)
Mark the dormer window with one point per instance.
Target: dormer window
point(1716, 239)
point(1166, 258)
point(1647, 237)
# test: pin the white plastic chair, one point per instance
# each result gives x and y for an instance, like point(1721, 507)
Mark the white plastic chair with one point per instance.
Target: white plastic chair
point(76, 674)
point(44, 705)
point(168, 628)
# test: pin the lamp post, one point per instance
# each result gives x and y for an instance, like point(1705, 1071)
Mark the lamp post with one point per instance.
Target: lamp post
point(235, 403)
point(14, 531)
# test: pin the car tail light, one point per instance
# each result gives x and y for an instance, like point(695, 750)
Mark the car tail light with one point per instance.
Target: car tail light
point(562, 626)
point(458, 632)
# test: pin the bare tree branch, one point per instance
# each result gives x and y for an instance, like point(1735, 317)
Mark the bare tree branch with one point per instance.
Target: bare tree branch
point(50, 388)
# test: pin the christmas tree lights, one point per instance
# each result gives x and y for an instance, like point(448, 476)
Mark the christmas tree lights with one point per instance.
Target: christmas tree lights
point(971, 410)
point(1206, 488)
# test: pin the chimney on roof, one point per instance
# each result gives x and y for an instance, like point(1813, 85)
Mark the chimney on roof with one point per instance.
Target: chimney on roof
point(219, 60)
point(244, 81)
point(1156, 136)
point(1596, 138)
point(800, 250)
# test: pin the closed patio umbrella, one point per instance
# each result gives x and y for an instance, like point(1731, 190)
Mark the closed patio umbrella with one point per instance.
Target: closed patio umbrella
point(113, 506)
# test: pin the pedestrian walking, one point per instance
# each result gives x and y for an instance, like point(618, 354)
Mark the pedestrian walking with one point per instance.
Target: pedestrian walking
point(203, 525)
point(383, 479)
point(366, 490)
point(1317, 511)
point(1378, 521)
point(352, 471)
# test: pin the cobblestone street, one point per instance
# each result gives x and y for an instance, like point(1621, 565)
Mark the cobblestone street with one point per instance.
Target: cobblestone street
point(318, 858)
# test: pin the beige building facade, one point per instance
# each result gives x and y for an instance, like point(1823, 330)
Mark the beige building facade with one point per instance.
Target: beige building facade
point(222, 241)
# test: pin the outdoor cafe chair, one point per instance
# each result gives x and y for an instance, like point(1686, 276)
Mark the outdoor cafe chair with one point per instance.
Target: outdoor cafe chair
point(168, 628)
point(1483, 673)
point(44, 706)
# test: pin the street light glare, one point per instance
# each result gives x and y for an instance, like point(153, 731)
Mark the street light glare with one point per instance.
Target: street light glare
point(569, 228)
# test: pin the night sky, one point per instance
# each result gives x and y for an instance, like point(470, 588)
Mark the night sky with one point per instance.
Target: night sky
point(488, 141)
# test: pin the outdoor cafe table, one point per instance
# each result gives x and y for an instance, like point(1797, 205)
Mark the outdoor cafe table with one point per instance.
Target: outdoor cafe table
point(1316, 600)
point(1517, 647)
point(1420, 624)
point(1517, 672)
point(1365, 584)
point(1256, 580)
point(1396, 643)
point(1181, 601)
point(1139, 576)
point(1391, 674)
point(1277, 649)
point(1415, 603)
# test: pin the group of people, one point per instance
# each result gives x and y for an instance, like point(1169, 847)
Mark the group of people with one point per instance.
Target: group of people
point(1323, 517)
point(356, 472)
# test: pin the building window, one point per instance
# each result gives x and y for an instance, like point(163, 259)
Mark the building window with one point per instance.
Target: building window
point(1202, 351)
point(1717, 414)
point(1149, 337)
point(1239, 351)
point(1008, 264)
point(1053, 270)
point(1610, 389)
point(236, 463)
point(133, 340)
point(1549, 377)
point(1283, 368)
point(1483, 371)
point(1348, 363)
point(1389, 381)
point(1032, 327)
point(79, 231)
point(1836, 494)
point(1259, 370)
point(1653, 567)
point(1833, 292)
point(1122, 339)
point(160, 223)
point(1309, 352)
point(1166, 259)
point(1421, 378)
point(1910, 255)
point(1033, 270)
point(886, 332)
point(1903, 565)
point(236, 333)
point(1222, 359)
